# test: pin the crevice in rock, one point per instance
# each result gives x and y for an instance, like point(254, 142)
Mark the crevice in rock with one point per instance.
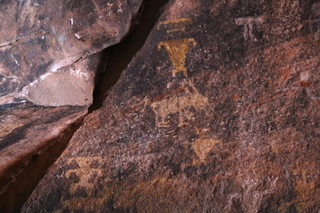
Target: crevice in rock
point(116, 58)
point(113, 60)
point(32, 169)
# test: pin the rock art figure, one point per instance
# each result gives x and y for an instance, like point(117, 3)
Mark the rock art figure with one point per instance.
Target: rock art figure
point(177, 50)
point(179, 104)
point(175, 24)
point(316, 13)
point(84, 172)
point(248, 23)
point(202, 146)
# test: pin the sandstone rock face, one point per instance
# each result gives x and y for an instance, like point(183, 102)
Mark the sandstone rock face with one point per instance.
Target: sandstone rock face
point(218, 112)
point(47, 51)
point(30, 138)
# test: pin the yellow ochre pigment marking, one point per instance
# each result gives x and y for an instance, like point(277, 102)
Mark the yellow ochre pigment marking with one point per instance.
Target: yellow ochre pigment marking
point(174, 21)
point(84, 172)
point(177, 50)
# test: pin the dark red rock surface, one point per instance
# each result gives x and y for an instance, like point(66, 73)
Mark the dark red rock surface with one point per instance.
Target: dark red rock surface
point(47, 49)
point(30, 138)
point(218, 112)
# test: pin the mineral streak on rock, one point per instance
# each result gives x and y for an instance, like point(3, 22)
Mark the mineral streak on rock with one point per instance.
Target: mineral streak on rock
point(48, 50)
point(239, 133)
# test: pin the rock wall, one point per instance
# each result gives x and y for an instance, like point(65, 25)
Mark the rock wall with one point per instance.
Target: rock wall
point(218, 112)
point(31, 139)
point(50, 55)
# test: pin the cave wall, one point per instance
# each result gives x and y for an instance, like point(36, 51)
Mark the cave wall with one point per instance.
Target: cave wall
point(51, 53)
point(218, 112)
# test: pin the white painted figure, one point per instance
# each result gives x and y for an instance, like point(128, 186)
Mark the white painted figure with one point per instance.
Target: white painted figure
point(316, 13)
point(248, 23)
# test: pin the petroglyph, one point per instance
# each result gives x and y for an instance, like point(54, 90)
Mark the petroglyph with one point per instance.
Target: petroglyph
point(87, 204)
point(179, 104)
point(177, 50)
point(316, 9)
point(310, 82)
point(248, 23)
point(85, 172)
point(93, 203)
point(251, 196)
point(203, 146)
point(316, 21)
point(175, 24)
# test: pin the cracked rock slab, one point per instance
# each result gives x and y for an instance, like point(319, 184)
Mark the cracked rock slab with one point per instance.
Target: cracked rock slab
point(218, 112)
point(30, 134)
point(40, 40)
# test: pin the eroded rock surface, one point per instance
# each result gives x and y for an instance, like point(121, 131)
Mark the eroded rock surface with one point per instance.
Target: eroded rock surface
point(31, 138)
point(218, 112)
point(47, 49)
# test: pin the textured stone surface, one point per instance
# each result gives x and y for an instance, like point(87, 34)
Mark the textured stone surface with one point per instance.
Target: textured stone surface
point(26, 134)
point(48, 49)
point(218, 112)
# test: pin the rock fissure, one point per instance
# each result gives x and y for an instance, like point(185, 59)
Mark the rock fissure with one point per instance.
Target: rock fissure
point(121, 54)
point(32, 169)
point(112, 61)
point(31, 138)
